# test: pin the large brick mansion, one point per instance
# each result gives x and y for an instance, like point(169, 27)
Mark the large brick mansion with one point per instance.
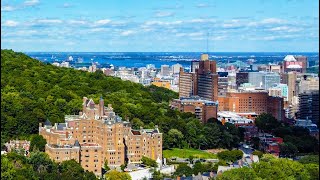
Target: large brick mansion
point(97, 135)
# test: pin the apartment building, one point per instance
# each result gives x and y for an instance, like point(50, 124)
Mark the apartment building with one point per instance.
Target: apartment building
point(97, 135)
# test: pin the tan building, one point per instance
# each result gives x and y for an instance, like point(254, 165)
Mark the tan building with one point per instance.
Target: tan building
point(186, 85)
point(97, 134)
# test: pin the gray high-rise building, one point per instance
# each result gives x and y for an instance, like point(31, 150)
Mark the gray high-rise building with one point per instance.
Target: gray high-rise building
point(165, 70)
point(309, 106)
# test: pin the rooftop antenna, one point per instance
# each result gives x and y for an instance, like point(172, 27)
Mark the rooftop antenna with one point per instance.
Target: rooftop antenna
point(207, 42)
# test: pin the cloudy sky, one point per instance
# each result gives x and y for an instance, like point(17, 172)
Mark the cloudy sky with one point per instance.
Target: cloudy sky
point(160, 25)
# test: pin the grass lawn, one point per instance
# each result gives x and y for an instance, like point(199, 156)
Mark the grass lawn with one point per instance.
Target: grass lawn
point(186, 153)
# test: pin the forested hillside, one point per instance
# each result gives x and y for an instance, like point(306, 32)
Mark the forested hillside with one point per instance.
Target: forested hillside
point(32, 91)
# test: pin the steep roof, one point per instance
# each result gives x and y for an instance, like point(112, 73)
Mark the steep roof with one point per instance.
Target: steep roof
point(47, 123)
point(290, 58)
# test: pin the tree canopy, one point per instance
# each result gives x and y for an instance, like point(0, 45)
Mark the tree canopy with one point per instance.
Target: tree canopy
point(270, 168)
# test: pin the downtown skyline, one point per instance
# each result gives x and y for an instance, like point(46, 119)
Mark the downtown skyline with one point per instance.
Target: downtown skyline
point(160, 26)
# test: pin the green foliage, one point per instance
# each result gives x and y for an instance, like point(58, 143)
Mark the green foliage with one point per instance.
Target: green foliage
point(105, 166)
point(198, 167)
point(288, 149)
point(39, 166)
point(174, 138)
point(280, 168)
point(310, 159)
point(38, 142)
point(232, 155)
point(239, 174)
point(183, 169)
point(296, 139)
point(273, 168)
point(266, 122)
point(149, 162)
point(258, 153)
point(116, 175)
point(123, 166)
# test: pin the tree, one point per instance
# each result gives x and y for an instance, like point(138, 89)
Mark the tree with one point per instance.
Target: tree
point(309, 159)
point(232, 155)
point(266, 122)
point(280, 168)
point(105, 166)
point(149, 162)
point(183, 169)
point(38, 142)
point(198, 167)
point(313, 170)
point(288, 149)
point(258, 153)
point(238, 174)
point(191, 159)
point(156, 175)
point(175, 137)
point(116, 175)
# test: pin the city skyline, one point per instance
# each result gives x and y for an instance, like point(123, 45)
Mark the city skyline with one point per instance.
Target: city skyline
point(180, 26)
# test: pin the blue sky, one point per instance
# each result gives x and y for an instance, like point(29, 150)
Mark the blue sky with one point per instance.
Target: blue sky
point(160, 25)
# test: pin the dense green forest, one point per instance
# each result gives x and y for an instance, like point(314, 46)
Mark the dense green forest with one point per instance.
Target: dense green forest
point(32, 91)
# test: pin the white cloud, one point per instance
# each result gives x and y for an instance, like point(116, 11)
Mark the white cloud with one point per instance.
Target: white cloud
point(150, 23)
point(267, 21)
point(200, 20)
point(102, 22)
point(285, 28)
point(10, 23)
point(49, 21)
point(272, 21)
point(164, 14)
point(194, 34)
point(270, 38)
point(127, 33)
point(78, 22)
point(31, 2)
point(66, 5)
point(201, 5)
point(98, 29)
point(8, 8)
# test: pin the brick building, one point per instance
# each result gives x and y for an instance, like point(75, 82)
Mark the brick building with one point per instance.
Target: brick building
point(97, 134)
point(252, 102)
point(203, 109)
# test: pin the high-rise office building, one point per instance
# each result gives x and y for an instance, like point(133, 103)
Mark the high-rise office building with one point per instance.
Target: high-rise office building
point(270, 79)
point(176, 68)
point(242, 77)
point(263, 80)
point(186, 83)
point(194, 66)
point(206, 84)
point(203, 83)
point(309, 106)
point(222, 83)
point(291, 79)
point(165, 70)
point(304, 62)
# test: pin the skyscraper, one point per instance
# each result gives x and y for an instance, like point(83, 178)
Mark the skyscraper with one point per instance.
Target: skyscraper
point(204, 82)
point(185, 83)
point(207, 79)
point(309, 106)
